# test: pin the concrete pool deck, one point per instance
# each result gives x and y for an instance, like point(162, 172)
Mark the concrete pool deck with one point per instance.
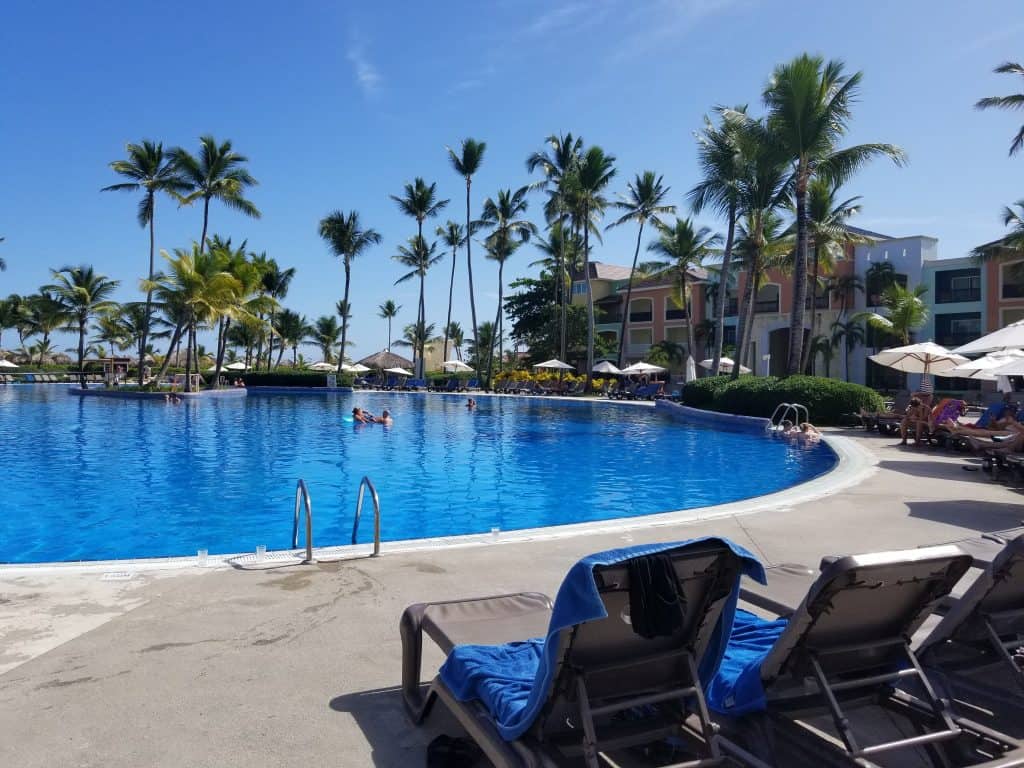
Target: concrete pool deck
point(295, 664)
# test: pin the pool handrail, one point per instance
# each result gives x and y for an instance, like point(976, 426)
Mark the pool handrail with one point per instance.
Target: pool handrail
point(302, 495)
point(363, 485)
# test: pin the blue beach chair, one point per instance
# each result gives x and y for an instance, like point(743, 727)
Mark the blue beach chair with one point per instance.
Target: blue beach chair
point(619, 659)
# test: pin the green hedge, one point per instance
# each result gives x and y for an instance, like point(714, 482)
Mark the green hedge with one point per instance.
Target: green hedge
point(293, 379)
point(827, 400)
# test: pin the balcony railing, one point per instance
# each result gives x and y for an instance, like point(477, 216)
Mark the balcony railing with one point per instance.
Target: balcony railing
point(641, 317)
point(955, 296)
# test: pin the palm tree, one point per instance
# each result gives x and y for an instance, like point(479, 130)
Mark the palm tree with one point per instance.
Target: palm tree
point(388, 311)
point(218, 173)
point(455, 335)
point(1011, 245)
point(686, 247)
point(10, 315)
point(826, 223)
point(483, 344)
point(809, 109)
point(906, 309)
point(1013, 101)
point(589, 179)
point(275, 283)
point(825, 346)
point(416, 335)
point(3, 264)
point(466, 163)
point(453, 235)
point(723, 165)
point(499, 248)
point(197, 290)
point(561, 250)
point(347, 239)
point(292, 328)
point(151, 172)
point(850, 334)
point(844, 287)
point(419, 201)
point(419, 257)
point(84, 294)
point(325, 334)
point(644, 201)
point(258, 290)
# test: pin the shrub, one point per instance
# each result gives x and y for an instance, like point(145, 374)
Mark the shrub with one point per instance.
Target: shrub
point(827, 400)
point(293, 379)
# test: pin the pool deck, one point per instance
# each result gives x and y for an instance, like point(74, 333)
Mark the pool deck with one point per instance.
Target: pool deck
point(294, 665)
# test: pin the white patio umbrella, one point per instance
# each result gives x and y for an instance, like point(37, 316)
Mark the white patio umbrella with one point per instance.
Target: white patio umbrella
point(398, 371)
point(325, 366)
point(7, 364)
point(236, 366)
point(1014, 367)
point(456, 365)
point(357, 368)
point(642, 368)
point(926, 357)
point(725, 365)
point(1010, 337)
point(608, 367)
point(982, 367)
point(691, 369)
point(555, 365)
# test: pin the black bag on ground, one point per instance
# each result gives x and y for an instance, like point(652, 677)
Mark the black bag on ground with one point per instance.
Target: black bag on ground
point(452, 752)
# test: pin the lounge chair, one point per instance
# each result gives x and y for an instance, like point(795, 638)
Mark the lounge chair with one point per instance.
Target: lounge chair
point(887, 422)
point(473, 384)
point(591, 683)
point(813, 687)
point(452, 385)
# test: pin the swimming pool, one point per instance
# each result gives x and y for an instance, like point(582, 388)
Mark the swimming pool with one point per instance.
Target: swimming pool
point(94, 478)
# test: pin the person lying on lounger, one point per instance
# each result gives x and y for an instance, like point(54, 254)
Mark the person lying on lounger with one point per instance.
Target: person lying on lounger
point(1013, 444)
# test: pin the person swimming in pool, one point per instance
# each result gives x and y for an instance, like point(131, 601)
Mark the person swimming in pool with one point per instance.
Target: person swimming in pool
point(384, 418)
point(471, 404)
point(361, 417)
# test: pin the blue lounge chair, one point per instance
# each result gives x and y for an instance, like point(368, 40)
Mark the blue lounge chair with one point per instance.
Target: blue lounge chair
point(452, 385)
point(619, 659)
point(473, 384)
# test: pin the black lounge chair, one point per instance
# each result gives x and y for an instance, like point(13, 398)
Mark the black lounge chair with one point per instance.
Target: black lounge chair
point(609, 688)
point(842, 672)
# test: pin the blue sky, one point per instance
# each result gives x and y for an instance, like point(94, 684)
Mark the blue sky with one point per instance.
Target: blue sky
point(338, 104)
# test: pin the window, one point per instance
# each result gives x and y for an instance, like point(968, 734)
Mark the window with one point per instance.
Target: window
point(953, 285)
point(1012, 316)
point(957, 328)
point(579, 288)
point(641, 311)
point(641, 337)
point(821, 300)
point(767, 299)
point(1012, 280)
point(729, 336)
point(877, 282)
point(672, 312)
point(676, 334)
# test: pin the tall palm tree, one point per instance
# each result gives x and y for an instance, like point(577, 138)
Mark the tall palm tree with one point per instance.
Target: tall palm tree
point(906, 310)
point(419, 257)
point(197, 290)
point(723, 165)
point(456, 336)
point(325, 333)
point(452, 235)
point(419, 201)
point(1013, 101)
point(84, 294)
point(644, 201)
point(3, 264)
point(685, 246)
point(809, 105)
point(500, 247)
point(218, 173)
point(466, 163)
point(416, 335)
point(347, 239)
point(850, 334)
point(827, 224)
point(274, 284)
point(844, 287)
point(561, 250)
point(10, 315)
point(483, 344)
point(1011, 245)
point(152, 172)
point(292, 328)
point(388, 311)
point(589, 180)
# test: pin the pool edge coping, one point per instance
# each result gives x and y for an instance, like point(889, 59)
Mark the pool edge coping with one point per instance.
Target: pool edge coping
point(854, 465)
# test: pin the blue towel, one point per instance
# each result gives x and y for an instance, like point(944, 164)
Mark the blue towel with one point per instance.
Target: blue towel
point(994, 412)
point(514, 680)
point(736, 688)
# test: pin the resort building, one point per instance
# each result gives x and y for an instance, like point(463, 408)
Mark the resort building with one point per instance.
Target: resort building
point(965, 300)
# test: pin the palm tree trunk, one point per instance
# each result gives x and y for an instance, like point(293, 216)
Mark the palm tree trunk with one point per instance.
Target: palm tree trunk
point(469, 268)
point(723, 290)
point(344, 316)
point(451, 290)
point(280, 354)
point(188, 355)
point(143, 337)
point(81, 354)
point(629, 293)
point(389, 337)
point(175, 337)
point(590, 297)
point(796, 318)
point(206, 219)
point(499, 318)
point(422, 328)
point(222, 346)
point(846, 354)
point(741, 323)
point(270, 340)
point(814, 308)
point(690, 340)
point(752, 313)
point(259, 341)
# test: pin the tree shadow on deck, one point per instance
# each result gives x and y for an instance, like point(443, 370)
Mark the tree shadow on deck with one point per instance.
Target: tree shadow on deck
point(395, 741)
point(969, 513)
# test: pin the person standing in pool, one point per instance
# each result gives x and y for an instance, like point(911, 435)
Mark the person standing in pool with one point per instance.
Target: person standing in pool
point(360, 416)
point(471, 404)
point(384, 418)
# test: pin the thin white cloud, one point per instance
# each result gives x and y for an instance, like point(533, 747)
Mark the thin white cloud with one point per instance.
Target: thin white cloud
point(556, 18)
point(466, 85)
point(366, 74)
point(661, 21)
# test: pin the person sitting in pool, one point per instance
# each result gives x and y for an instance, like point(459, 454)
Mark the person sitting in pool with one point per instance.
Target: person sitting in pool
point(809, 432)
point(361, 417)
point(384, 418)
point(471, 404)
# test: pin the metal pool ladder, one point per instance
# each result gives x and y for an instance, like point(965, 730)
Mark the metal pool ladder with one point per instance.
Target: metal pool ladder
point(785, 410)
point(302, 495)
point(363, 485)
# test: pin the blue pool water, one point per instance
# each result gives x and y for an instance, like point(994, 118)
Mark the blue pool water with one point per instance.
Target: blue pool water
point(93, 478)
